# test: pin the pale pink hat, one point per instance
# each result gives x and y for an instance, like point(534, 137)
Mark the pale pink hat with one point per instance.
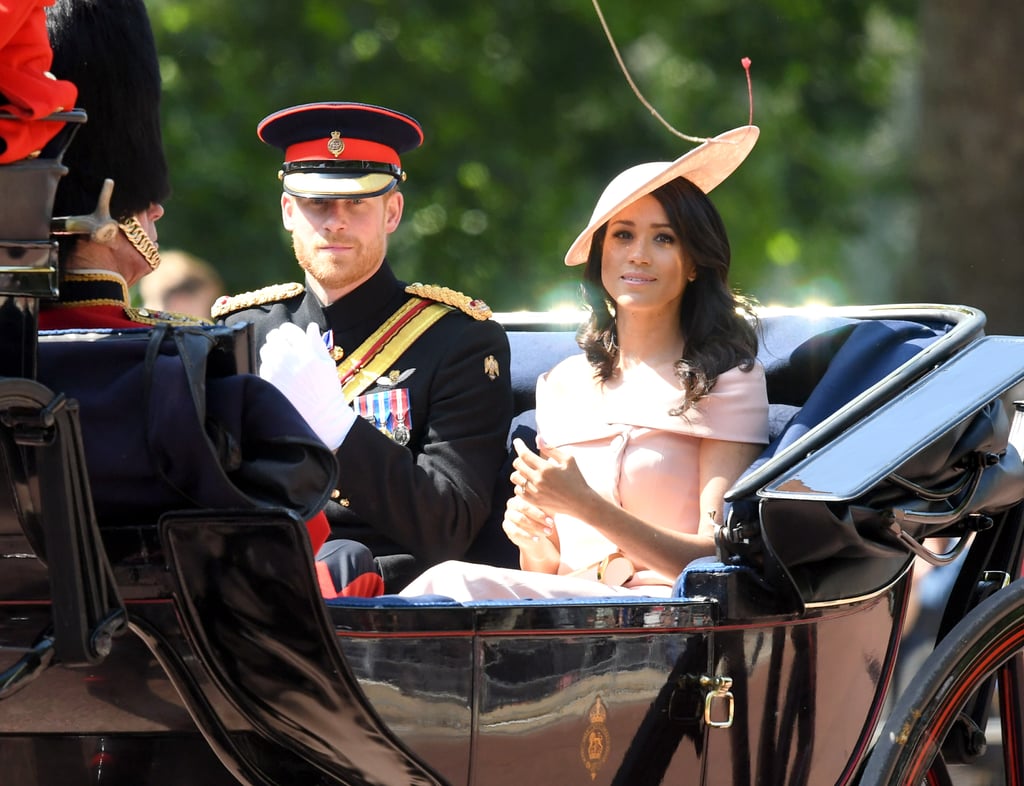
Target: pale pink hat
point(705, 166)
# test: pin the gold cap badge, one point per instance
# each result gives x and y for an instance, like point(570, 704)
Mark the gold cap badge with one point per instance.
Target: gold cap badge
point(335, 145)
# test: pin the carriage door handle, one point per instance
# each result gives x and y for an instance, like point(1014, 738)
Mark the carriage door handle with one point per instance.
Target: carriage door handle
point(719, 690)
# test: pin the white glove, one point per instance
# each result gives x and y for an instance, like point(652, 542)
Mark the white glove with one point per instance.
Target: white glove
point(300, 366)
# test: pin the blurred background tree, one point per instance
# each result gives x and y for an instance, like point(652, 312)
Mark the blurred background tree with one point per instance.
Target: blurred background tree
point(969, 161)
point(527, 116)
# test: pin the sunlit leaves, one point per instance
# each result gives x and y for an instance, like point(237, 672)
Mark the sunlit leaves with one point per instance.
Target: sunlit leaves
point(527, 116)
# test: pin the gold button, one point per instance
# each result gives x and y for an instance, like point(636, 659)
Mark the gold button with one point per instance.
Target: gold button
point(343, 501)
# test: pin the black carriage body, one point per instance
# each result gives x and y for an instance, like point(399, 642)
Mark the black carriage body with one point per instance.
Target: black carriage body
point(197, 649)
point(589, 692)
point(545, 683)
point(248, 677)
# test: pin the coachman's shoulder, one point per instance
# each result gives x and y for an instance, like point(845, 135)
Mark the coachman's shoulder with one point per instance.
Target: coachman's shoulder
point(475, 307)
point(275, 293)
point(149, 316)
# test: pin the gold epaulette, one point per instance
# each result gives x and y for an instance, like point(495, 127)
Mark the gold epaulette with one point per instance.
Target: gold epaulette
point(148, 316)
point(259, 297)
point(450, 297)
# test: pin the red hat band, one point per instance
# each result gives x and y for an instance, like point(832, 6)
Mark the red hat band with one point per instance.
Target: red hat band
point(336, 148)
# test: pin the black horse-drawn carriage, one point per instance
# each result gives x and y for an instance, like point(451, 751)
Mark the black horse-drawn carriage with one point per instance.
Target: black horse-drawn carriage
point(197, 649)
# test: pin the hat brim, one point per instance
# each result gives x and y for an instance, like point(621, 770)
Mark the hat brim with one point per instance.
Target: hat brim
point(338, 185)
point(706, 166)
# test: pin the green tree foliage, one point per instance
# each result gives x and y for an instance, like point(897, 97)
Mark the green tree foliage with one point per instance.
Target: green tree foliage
point(527, 116)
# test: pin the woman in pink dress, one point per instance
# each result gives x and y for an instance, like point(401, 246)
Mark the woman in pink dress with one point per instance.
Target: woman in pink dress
point(643, 433)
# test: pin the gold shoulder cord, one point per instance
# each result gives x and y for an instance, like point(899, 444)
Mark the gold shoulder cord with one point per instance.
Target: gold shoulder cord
point(274, 293)
point(140, 240)
point(475, 307)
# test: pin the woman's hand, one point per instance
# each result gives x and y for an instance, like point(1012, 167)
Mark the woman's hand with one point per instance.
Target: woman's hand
point(551, 482)
point(534, 533)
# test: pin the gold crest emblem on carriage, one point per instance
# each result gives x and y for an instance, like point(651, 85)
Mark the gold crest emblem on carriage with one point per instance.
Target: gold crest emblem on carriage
point(596, 742)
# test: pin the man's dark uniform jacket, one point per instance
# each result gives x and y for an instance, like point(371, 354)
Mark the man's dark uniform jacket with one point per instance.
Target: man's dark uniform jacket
point(430, 497)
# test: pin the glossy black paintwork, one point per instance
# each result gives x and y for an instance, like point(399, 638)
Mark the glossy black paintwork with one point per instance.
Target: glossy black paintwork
point(233, 664)
point(252, 612)
point(534, 687)
point(480, 695)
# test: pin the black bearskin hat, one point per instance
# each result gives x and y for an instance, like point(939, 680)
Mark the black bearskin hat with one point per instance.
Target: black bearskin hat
point(106, 48)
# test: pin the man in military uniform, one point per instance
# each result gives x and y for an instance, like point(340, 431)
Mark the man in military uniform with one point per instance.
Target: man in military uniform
point(410, 383)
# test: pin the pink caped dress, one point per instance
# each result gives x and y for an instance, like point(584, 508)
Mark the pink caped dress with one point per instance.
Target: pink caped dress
point(633, 453)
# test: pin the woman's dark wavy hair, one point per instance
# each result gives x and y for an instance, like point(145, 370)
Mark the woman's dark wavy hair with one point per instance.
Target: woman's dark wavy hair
point(719, 325)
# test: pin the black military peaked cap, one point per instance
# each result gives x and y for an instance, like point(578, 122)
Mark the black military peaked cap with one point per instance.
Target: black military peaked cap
point(340, 149)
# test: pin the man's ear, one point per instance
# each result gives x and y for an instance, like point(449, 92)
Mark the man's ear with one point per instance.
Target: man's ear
point(393, 206)
point(287, 206)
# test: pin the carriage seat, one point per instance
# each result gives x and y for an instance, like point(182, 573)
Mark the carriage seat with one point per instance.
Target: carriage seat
point(814, 364)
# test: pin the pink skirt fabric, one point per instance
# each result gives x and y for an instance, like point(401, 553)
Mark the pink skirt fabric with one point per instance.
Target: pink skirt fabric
point(465, 581)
